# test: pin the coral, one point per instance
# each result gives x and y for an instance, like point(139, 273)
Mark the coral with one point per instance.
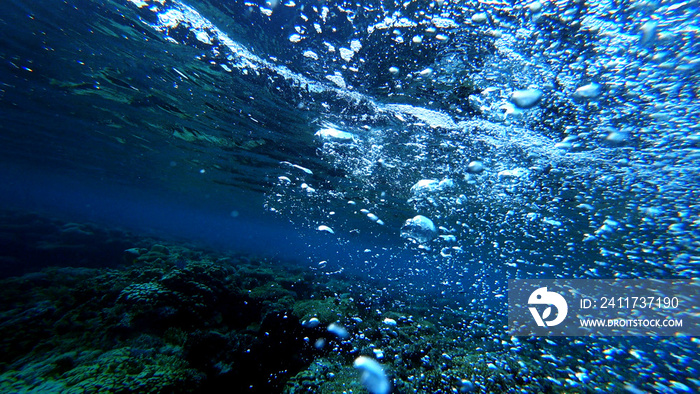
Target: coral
point(131, 370)
point(169, 320)
point(327, 310)
point(270, 291)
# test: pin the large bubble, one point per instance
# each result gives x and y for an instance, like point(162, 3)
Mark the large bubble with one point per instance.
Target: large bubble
point(419, 229)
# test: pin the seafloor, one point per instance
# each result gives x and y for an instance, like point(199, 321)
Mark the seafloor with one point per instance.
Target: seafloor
point(112, 312)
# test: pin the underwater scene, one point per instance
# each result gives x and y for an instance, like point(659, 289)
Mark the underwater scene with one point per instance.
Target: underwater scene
point(305, 196)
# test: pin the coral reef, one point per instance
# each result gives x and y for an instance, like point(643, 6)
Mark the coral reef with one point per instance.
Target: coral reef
point(174, 319)
point(167, 320)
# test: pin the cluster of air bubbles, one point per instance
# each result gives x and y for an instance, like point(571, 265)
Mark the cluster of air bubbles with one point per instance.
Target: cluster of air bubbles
point(592, 118)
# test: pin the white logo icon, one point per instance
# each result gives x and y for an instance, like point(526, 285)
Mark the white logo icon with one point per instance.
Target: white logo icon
point(543, 297)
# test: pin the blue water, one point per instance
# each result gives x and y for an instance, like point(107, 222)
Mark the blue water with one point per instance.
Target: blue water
point(564, 133)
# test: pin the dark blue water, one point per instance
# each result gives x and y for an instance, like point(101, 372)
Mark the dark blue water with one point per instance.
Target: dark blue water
point(541, 140)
